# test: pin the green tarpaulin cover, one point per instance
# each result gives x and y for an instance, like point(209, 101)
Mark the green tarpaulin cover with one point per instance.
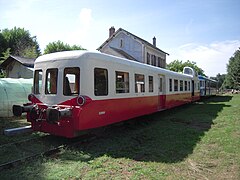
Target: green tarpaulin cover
point(13, 91)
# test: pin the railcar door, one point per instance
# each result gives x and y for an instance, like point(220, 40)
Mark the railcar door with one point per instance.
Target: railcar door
point(161, 92)
point(193, 87)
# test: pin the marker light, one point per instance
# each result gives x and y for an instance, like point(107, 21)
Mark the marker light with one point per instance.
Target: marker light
point(81, 100)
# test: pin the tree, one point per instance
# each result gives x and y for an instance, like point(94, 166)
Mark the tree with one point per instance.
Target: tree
point(220, 78)
point(233, 71)
point(19, 42)
point(3, 43)
point(59, 46)
point(178, 66)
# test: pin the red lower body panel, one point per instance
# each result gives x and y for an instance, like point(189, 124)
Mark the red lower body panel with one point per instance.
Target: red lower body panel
point(104, 112)
point(99, 113)
point(173, 100)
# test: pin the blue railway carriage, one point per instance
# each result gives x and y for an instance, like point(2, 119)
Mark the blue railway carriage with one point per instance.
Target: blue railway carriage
point(208, 87)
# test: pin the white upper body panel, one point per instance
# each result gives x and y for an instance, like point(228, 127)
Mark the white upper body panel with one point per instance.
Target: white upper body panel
point(87, 62)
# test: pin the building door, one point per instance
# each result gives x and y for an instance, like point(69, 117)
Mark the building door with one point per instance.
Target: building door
point(161, 92)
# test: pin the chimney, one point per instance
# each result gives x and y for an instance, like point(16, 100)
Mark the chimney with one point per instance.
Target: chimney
point(154, 41)
point(111, 31)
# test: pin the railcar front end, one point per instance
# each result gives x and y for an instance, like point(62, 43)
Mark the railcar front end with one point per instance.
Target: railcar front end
point(57, 119)
point(55, 105)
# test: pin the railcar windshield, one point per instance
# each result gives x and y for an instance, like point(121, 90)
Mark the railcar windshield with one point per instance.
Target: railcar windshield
point(51, 81)
point(37, 84)
point(71, 81)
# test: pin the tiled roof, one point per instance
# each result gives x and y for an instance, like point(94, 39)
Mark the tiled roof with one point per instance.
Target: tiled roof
point(123, 53)
point(24, 61)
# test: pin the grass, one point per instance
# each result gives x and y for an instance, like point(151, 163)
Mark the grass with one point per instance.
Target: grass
point(196, 141)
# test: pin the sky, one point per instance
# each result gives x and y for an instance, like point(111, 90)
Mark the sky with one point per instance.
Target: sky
point(206, 32)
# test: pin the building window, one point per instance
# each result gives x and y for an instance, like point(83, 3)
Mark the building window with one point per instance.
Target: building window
point(154, 61)
point(121, 43)
point(189, 86)
point(51, 81)
point(181, 85)
point(175, 85)
point(148, 58)
point(163, 63)
point(159, 62)
point(122, 82)
point(37, 88)
point(185, 85)
point(150, 80)
point(100, 82)
point(71, 81)
point(170, 85)
point(139, 83)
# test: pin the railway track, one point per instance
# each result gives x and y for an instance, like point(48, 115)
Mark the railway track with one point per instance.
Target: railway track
point(51, 151)
point(57, 143)
point(23, 141)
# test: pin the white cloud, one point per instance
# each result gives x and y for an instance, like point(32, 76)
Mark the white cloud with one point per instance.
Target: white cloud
point(212, 58)
point(82, 30)
point(85, 17)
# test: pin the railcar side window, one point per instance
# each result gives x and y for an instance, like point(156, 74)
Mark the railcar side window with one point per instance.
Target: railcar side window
point(181, 85)
point(100, 82)
point(37, 87)
point(150, 80)
point(122, 82)
point(170, 85)
point(139, 83)
point(175, 85)
point(71, 80)
point(185, 85)
point(51, 81)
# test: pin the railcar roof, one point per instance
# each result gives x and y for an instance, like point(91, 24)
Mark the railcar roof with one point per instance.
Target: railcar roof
point(206, 78)
point(66, 55)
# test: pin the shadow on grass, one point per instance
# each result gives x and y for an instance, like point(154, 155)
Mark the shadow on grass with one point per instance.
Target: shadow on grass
point(217, 99)
point(168, 136)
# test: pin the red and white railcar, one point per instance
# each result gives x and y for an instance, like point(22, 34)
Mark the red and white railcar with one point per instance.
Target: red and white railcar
point(78, 90)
